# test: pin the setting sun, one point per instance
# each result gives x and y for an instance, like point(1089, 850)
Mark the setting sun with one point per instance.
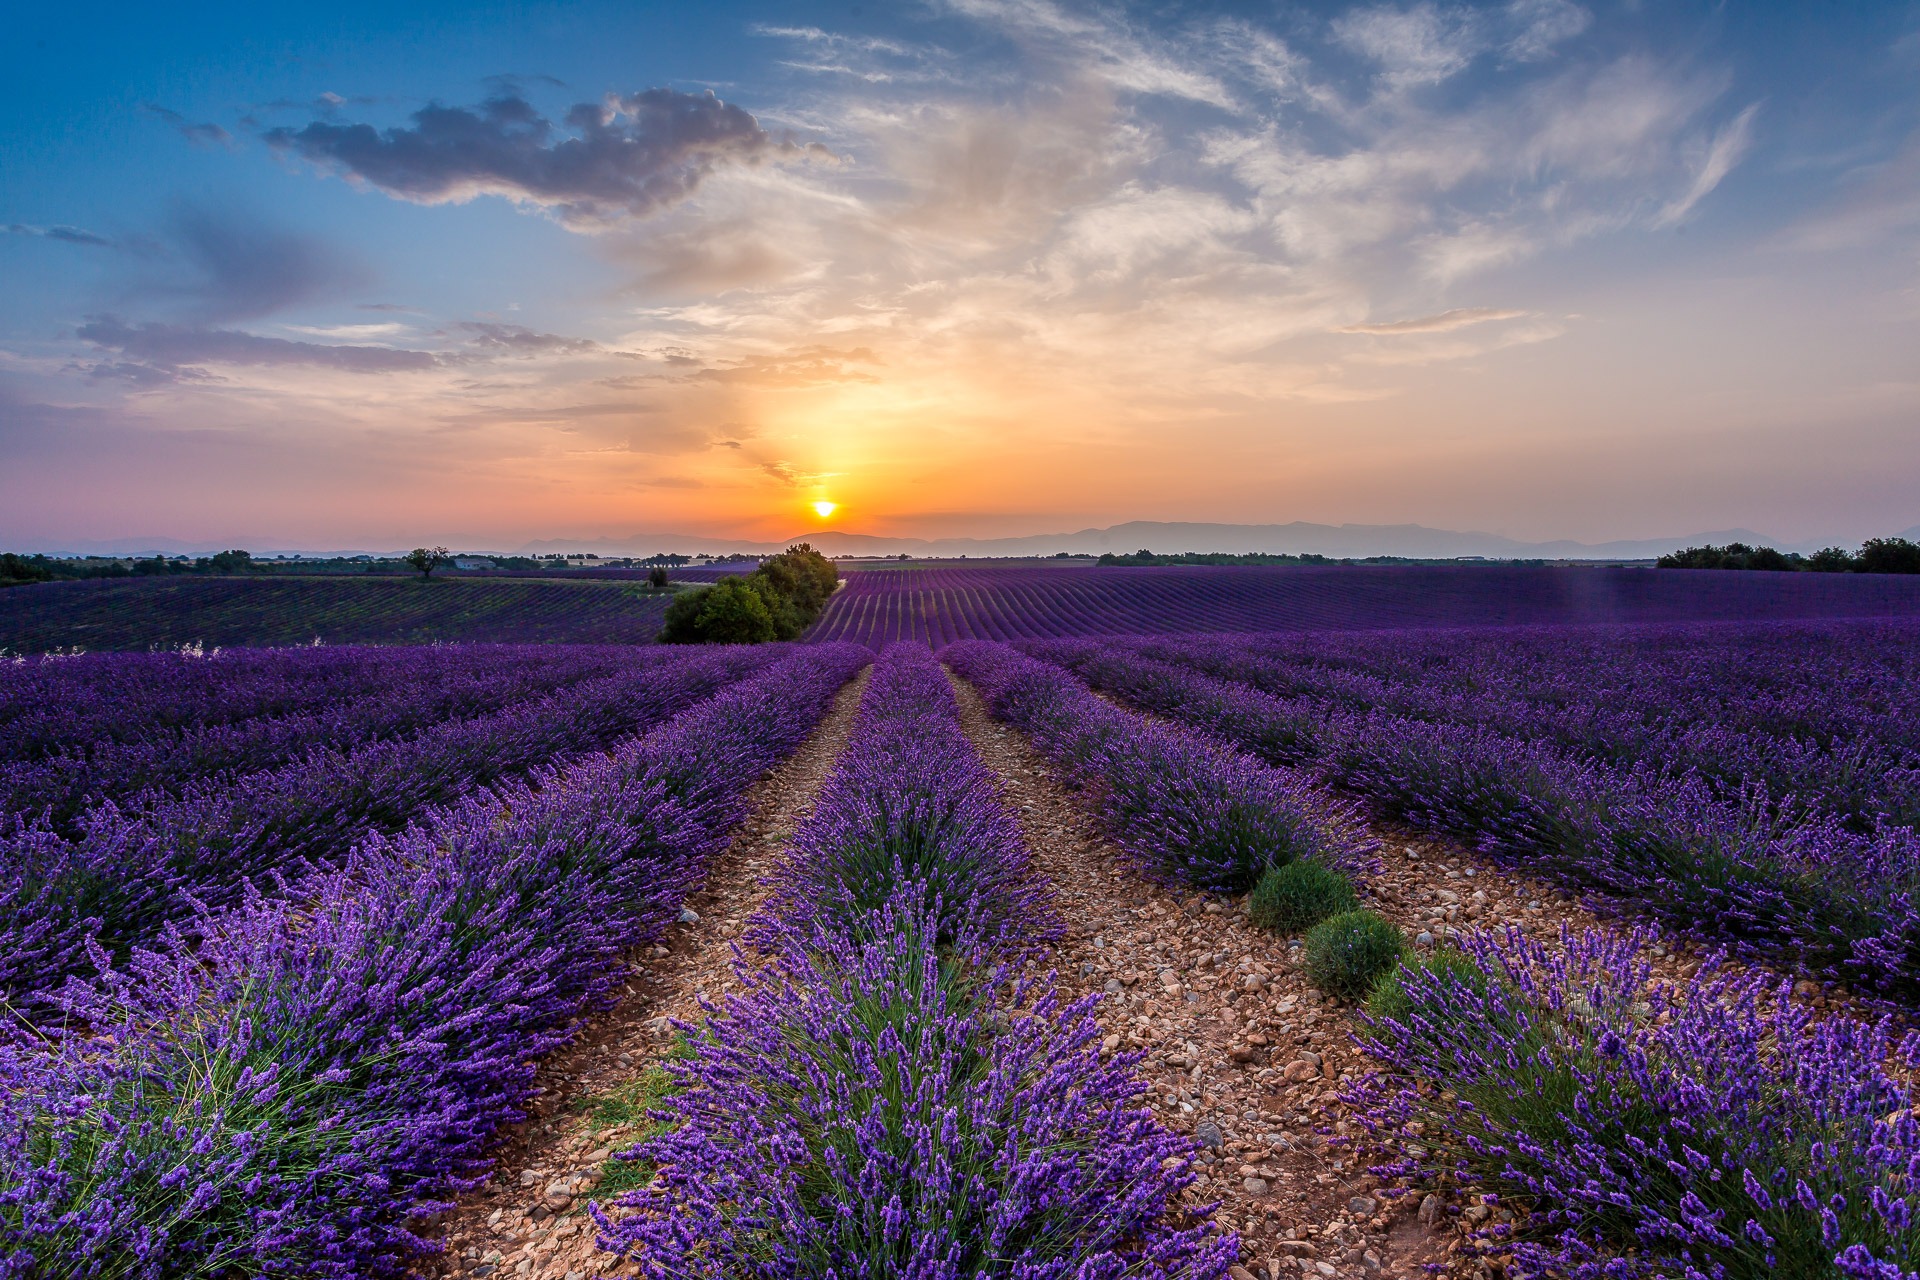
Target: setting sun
point(825, 509)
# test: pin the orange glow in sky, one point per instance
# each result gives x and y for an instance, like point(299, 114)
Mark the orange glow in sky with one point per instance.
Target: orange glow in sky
point(824, 509)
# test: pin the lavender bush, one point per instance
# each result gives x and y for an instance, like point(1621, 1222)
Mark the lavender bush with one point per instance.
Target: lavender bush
point(1773, 877)
point(910, 803)
point(131, 871)
point(863, 1110)
point(1706, 1129)
point(889, 1097)
point(136, 750)
point(282, 1088)
point(1212, 817)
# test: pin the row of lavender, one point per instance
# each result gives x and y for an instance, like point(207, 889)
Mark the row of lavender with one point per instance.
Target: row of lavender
point(1826, 711)
point(286, 1085)
point(80, 747)
point(1776, 878)
point(124, 873)
point(1709, 1128)
point(896, 1092)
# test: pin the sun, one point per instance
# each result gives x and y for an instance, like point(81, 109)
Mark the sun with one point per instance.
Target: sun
point(825, 509)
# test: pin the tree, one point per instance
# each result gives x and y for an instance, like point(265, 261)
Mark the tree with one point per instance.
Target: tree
point(1889, 555)
point(427, 559)
point(1831, 560)
point(729, 612)
point(657, 578)
point(235, 561)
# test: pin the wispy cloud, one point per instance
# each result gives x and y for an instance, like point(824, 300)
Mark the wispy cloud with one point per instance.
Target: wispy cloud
point(170, 348)
point(1444, 322)
point(205, 134)
point(66, 235)
point(1728, 147)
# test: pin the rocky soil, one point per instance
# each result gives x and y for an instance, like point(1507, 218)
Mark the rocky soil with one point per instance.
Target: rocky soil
point(530, 1218)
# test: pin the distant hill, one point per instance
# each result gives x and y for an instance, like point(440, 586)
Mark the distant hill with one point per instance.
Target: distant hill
point(141, 613)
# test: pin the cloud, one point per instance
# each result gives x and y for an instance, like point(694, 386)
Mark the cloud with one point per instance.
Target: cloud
point(1445, 322)
point(516, 340)
point(806, 367)
point(625, 156)
point(142, 375)
point(1416, 46)
point(200, 135)
point(229, 265)
point(793, 477)
point(1728, 147)
point(66, 235)
point(1104, 47)
point(1540, 25)
point(1880, 201)
point(173, 349)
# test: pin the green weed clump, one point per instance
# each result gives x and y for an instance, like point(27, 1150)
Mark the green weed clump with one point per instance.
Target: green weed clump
point(1348, 954)
point(1300, 895)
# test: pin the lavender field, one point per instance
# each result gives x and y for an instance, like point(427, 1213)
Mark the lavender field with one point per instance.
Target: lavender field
point(1583, 949)
point(942, 604)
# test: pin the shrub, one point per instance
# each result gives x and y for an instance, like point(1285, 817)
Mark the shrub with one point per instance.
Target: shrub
point(1707, 1127)
point(1347, 954)
point(1299, 896)
point(860, 1111)
point(910, 803)
point(729, 612)
point(777, 601)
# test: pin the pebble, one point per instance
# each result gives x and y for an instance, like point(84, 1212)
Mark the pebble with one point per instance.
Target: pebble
point(689, 916)
point(1209, 1135)
point(1254, 1186)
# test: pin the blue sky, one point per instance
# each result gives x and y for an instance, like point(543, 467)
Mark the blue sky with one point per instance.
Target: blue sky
point(343, 274)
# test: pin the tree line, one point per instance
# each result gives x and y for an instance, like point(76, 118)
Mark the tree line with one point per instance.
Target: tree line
point(1876, 555)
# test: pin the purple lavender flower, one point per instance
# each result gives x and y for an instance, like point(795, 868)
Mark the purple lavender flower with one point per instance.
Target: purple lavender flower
point(871, 1109)
point(909, 802)
point(1706, 1128)
point(1180, 802)
point(286, 1085)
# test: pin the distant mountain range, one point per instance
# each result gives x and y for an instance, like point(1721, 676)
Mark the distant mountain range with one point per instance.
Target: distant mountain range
point(1339, 541)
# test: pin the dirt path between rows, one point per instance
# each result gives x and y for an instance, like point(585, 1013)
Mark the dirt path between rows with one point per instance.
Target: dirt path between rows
point(530, 1218)
point(1243, 1052)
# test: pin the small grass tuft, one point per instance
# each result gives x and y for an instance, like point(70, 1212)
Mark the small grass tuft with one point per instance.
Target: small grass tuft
point(632, 1104)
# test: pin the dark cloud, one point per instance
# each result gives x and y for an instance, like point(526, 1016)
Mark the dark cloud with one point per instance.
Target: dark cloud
point(513, 339)
point(234, 267)
point(176, 349)
point(68, 235)
point(200, 135)
point(626, 155)
point(512, 84)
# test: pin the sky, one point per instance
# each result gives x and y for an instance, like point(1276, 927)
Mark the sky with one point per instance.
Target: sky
point(366, 274)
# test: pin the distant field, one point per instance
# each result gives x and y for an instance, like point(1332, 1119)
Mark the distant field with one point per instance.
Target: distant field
point(234, 612)
point(959, 602)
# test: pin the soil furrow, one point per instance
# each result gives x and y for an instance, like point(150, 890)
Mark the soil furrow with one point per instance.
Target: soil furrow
point(530, 1218)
